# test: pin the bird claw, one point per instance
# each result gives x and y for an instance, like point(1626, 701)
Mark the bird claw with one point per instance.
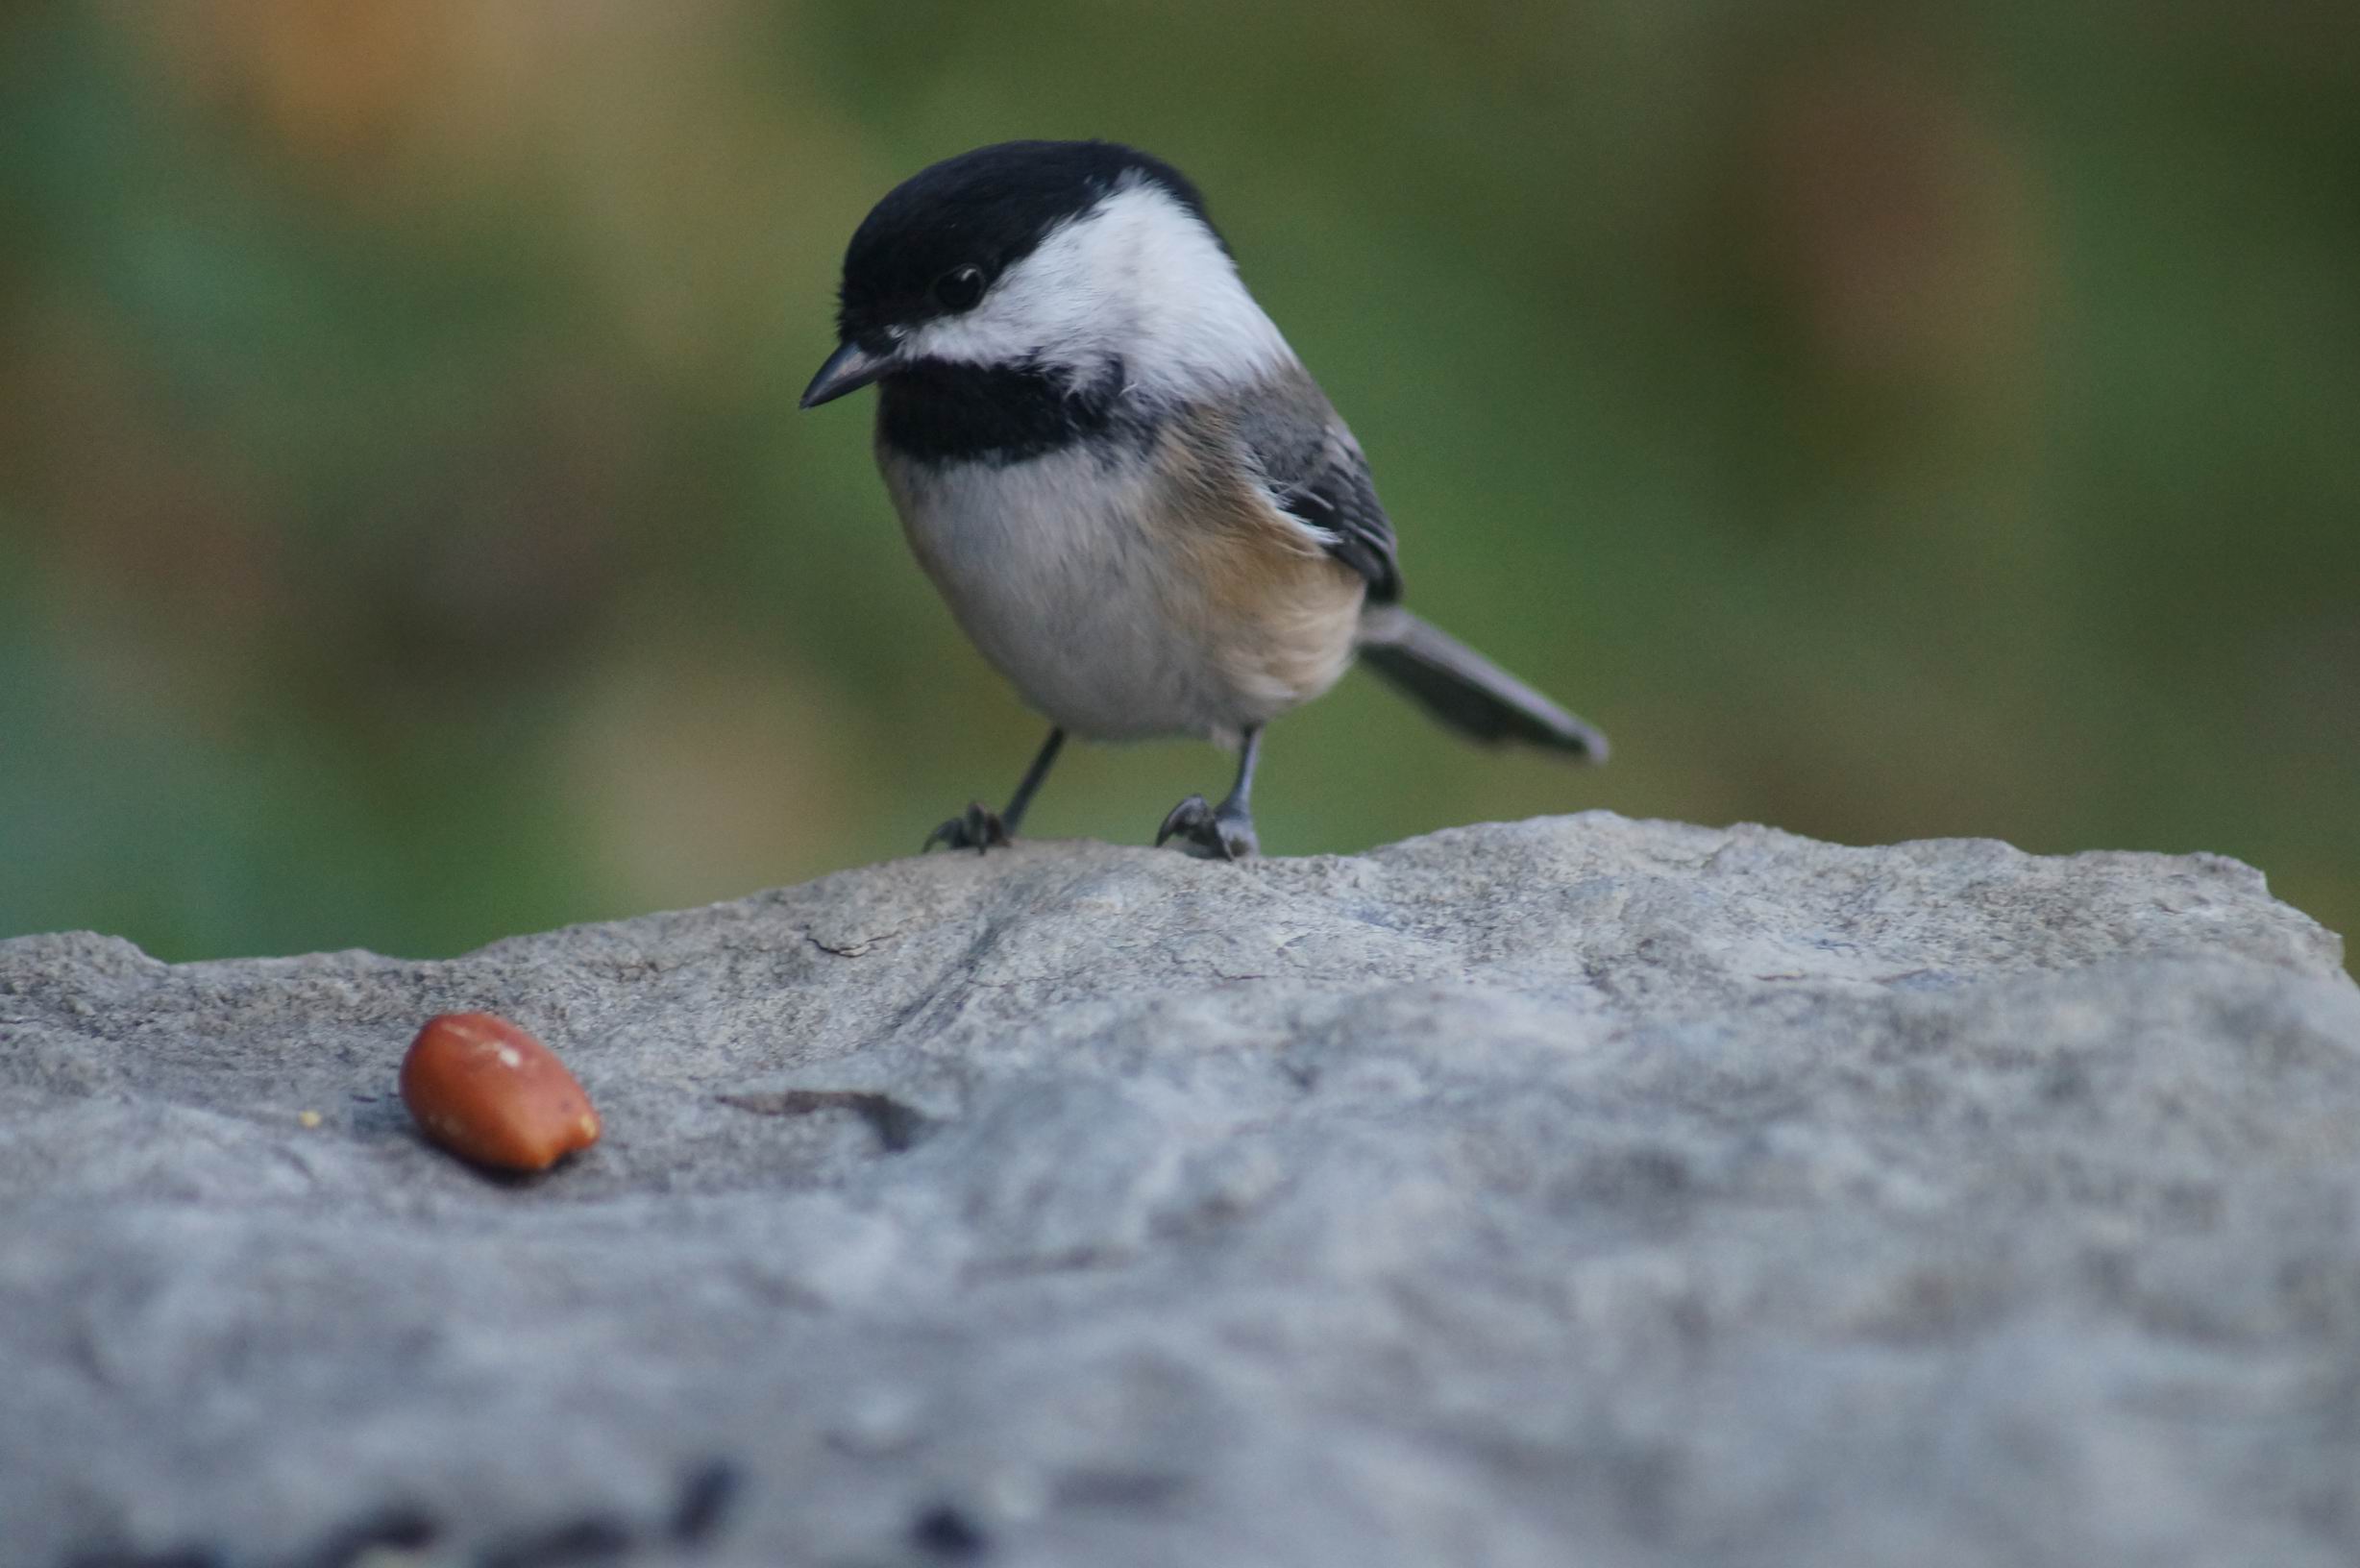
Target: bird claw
point(1207, 833)
point(978, 828)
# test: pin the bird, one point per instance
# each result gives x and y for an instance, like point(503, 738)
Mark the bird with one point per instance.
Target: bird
point(1138, 503)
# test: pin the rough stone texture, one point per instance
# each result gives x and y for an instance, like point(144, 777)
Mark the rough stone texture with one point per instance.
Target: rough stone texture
point(1578, 1191)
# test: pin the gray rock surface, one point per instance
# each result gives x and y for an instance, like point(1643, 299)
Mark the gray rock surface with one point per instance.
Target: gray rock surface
point(1576, 1191)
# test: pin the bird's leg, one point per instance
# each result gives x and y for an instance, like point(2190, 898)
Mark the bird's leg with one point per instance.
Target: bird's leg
point(1017, 803)
point(1223, 832)
point(980, 827)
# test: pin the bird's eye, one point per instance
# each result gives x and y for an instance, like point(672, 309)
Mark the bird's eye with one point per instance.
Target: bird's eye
point(959, 288)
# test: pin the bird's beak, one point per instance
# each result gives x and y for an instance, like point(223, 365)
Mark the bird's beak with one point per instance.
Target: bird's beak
point(849, 369)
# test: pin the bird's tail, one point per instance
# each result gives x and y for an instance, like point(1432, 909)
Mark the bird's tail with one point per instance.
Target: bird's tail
point(1466, 691)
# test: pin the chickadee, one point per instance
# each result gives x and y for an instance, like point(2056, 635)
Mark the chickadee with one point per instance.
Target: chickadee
point(1136, 500)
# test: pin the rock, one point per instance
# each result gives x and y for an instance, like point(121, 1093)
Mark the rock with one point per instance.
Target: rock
point(1573, 1192)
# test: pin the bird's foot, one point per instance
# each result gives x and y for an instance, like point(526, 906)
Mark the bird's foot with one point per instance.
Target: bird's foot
point(1209, 834)
point(978, 828)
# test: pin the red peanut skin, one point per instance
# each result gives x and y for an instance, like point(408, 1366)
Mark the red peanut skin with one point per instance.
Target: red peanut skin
point(490, 1092)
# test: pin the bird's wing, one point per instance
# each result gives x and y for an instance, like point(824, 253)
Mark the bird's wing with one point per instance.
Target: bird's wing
point(1316, 473)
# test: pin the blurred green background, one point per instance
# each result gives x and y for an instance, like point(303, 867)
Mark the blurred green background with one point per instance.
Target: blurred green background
point(1884, 421)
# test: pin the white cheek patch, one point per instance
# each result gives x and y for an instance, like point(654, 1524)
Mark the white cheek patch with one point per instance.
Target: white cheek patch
point(1138, 279)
